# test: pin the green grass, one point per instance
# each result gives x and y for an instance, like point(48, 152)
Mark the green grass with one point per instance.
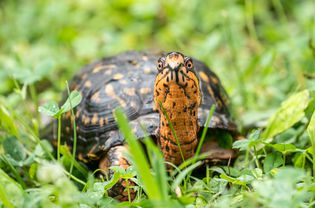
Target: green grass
point(263, 52)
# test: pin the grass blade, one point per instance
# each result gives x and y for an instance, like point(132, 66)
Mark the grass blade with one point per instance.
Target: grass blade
point(4, 198)
point(173, 131)
point(311, 134)
point(74, 148)
point(59, 137)
point(158, 165)
point(181, 176)
point(204, 132)
point(140, 162)
point(11, 192)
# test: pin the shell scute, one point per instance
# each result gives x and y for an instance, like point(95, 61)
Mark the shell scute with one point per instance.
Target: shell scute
point(127, 81)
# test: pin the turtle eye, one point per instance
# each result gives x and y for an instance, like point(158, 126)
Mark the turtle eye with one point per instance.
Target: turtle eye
point(160, 65)
point(189, 64)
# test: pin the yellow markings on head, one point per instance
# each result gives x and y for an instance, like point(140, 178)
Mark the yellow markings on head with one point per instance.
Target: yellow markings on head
point(147, 70)
point(94, 119)
point(145, 90)
point(96, 97)
point(88, 84)
point(118, 76)
point(130, 91)
point(174, 59)
point(109, 90)
point(204, 76)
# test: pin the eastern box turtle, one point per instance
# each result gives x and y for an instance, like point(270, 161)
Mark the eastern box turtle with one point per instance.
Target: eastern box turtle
point(141, 84)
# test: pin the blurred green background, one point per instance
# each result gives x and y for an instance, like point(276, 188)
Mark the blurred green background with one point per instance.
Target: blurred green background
point(261, 50)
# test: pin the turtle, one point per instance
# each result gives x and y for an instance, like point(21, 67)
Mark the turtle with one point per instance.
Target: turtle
point(148, 86)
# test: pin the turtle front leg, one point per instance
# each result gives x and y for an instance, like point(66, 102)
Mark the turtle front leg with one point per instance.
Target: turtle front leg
point(116, 157)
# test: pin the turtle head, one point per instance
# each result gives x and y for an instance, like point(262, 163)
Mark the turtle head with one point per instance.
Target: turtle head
point(177, 96)
point(176, 67)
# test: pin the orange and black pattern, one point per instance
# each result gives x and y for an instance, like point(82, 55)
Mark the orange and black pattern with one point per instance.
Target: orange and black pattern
point(126, 80)
point(177, 94)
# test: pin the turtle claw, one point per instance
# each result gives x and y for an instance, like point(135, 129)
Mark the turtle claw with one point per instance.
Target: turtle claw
point(217, 154)
point(122, 190)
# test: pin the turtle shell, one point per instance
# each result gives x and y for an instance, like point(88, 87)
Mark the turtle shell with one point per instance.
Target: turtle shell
point(127, 81)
